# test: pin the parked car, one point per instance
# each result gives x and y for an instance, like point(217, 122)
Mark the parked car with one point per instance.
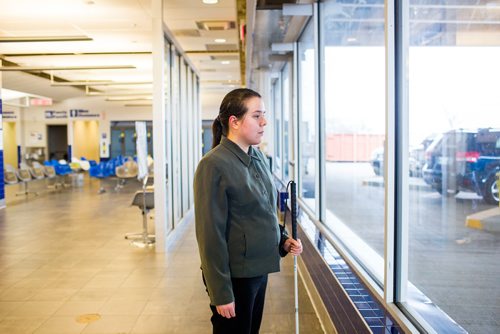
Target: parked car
point(465, 160)
point(416, 158)
point(378, 161)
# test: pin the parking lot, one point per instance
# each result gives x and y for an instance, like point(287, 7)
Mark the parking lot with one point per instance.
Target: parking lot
point(448, 261)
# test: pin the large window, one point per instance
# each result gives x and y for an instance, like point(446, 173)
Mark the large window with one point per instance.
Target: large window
point(307, 117)
point(176, 121)
point(399, 132)
point(354, 107)
point(168, 131)
point(454, 85)
point(183, 136)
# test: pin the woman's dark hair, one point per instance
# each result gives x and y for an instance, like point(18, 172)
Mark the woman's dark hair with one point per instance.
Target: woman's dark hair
point(233, 104)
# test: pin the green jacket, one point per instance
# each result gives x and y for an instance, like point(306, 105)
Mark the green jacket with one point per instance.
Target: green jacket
point(236, 218)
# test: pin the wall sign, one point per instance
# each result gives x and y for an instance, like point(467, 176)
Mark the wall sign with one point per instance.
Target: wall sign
point(52, 114)
point(82, 113)
point(9, 115)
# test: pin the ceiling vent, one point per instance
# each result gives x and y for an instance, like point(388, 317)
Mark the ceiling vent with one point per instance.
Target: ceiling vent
point(221, 58)
point(215, 25)
point(187, 33)
point(221, 47)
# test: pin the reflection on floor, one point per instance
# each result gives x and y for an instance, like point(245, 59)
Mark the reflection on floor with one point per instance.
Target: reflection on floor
point(66, 268)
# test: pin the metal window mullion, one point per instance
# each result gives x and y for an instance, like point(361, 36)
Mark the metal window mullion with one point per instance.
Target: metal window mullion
point(294, 160)
point(389, 153)
point(321, 115)
point(317, 178)
point(290, 130)
point(287, 70)
point(396, 152)
point(299, 119)
point(402, 147)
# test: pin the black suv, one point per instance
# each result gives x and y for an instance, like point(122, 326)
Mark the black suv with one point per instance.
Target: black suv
point(464, 160)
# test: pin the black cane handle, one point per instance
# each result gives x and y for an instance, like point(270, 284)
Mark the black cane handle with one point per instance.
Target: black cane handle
point(293, 190)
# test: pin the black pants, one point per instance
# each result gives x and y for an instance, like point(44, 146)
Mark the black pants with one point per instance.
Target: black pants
point(249, 295)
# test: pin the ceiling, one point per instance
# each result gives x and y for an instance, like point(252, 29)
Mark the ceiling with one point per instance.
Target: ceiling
point(118, 34)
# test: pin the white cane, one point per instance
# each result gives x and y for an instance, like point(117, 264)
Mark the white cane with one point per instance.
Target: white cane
point(293, 190)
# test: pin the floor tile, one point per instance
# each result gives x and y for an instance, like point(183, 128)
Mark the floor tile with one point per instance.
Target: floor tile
point(21, 325)
point(60, 325)
point(110, 324)
point(79, 264)
point(77, 308)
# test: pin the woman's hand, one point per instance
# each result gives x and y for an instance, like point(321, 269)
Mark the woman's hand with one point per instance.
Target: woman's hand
point(293, 247)
point(227, 310)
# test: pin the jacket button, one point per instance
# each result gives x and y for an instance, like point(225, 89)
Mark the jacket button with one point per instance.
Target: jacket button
point(256, 175)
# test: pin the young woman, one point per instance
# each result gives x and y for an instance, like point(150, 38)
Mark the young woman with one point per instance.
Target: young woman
point(237, 230)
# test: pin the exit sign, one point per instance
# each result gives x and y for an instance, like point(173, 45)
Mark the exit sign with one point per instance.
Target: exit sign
point(41, 102)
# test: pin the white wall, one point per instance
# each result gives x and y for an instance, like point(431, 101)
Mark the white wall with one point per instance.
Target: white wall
point(32, 129)
point(210, 102)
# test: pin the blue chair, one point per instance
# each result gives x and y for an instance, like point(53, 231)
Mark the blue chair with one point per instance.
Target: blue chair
point(98, 171)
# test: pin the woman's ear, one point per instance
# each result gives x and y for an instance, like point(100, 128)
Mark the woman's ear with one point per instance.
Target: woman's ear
point(233, 122)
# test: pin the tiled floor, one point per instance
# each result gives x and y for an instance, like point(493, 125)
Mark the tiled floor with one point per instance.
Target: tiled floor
point(66, 268)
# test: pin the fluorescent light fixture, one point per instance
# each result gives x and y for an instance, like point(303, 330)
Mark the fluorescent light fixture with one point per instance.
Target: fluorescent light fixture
point(225, 62)
point(220, 40)
point(351, 39)
point(134, 53)
point(210, 2)
point(138, 105)
point(131, 98)
point(99, 83)
point(24, 39)
point(10, 94)
point(119, 93)
point(63, 68)
point(13, 104)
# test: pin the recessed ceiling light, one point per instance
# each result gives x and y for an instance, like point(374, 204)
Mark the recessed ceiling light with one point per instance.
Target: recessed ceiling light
point(220, 40)
point(225, 62)
point(210, 2)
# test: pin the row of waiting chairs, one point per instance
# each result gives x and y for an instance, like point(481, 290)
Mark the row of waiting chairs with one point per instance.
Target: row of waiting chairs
point(25, 174)
point(50, 169)
point(122, 168)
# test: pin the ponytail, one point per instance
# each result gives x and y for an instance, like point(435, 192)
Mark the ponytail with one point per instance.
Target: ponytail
point(233, 104)
point(216, 132)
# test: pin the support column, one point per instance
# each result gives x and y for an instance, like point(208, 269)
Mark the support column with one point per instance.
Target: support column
point(159, 133)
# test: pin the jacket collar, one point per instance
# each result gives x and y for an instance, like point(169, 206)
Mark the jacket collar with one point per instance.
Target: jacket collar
point(237, 151)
